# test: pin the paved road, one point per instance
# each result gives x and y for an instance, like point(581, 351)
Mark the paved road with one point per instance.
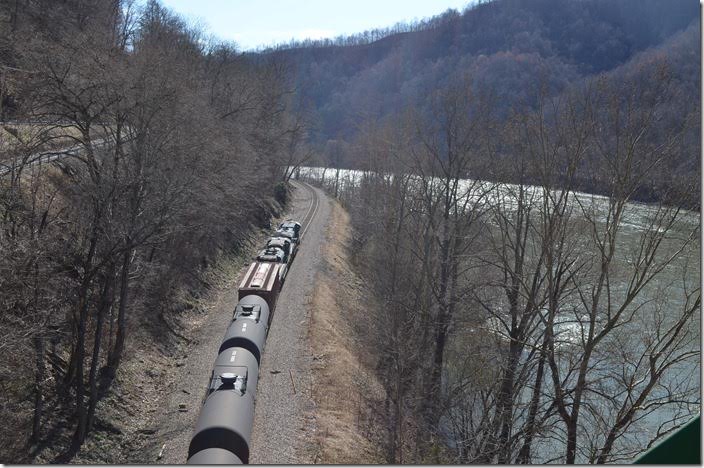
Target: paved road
point(283, 425)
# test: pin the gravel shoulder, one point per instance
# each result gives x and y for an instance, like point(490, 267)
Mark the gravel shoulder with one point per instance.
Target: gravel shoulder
point(348, 394)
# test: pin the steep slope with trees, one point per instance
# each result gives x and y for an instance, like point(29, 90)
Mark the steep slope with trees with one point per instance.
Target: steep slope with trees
point(180, 145)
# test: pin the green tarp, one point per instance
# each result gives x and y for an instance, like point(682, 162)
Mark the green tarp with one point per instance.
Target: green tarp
point(682, 447)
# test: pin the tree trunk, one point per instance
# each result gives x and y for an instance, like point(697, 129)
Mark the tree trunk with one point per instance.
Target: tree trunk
point(80, 433)
point(505, 404)
point(105, 303)
point(80, 348)
point(388, 413)
point(337, 182)
point(39, 375)
point(529, 431)
point(116, 352)
point(433, 398)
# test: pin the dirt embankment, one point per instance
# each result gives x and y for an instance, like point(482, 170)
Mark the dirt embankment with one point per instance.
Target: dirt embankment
point(345, 388)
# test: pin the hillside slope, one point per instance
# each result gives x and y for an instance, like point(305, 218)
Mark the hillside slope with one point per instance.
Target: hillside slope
point(505, 45)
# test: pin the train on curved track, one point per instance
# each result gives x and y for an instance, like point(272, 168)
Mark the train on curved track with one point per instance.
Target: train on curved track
point(224, 428)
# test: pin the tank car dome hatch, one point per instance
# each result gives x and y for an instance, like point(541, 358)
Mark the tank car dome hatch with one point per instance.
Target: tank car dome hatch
point(248, 311)
point(252, 307)
point(246, 331)
point(234, 360)
point(234, 380)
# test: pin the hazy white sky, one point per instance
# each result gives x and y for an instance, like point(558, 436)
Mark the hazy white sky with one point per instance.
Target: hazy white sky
point(253, 23)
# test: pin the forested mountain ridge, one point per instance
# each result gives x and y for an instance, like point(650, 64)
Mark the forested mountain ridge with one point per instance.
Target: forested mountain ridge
point(507, 46)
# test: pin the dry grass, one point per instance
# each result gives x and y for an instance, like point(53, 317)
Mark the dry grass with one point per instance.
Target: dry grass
point(345, 387)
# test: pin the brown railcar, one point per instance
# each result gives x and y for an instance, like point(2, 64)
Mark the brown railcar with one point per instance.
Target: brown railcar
point(263, 279)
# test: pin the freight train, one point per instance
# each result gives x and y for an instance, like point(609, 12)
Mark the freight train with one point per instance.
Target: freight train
point(224, 428)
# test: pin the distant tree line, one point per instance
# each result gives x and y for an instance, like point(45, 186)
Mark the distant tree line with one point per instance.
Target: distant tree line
point(367, 36)
point(177, 147)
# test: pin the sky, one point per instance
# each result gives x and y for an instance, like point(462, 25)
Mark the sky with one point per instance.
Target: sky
point(254, 23)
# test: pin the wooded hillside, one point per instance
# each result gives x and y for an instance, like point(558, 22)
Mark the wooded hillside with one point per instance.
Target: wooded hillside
point(177, 148)
point(508, 47)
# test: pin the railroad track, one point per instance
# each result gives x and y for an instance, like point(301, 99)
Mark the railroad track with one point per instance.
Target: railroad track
point(312, 209)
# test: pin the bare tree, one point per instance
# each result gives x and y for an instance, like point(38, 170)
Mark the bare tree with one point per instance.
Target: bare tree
point(613, 293)
point(451, 143)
